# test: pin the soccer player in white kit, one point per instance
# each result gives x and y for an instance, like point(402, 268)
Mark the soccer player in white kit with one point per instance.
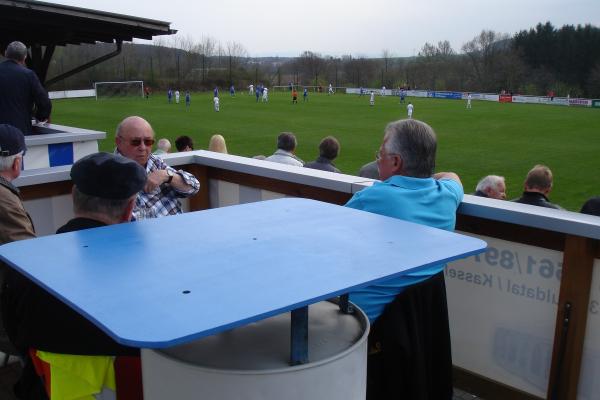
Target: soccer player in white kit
point(410, 108)
point(265, 97)
point(251, 90)
point(469, 101)
point(372, 99)
point(216, 101)
point(177, 96)
point(383, 90)
point(330, 91)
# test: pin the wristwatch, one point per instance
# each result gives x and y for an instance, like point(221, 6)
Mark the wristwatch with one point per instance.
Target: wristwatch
point(171, 174)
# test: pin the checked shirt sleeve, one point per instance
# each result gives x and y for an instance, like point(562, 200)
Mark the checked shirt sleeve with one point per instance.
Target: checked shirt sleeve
point(190, 180)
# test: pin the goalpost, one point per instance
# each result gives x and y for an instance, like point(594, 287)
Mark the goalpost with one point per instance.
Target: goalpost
point(119, 89)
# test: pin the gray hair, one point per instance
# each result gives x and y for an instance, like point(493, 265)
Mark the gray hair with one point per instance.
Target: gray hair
point(489, 182)
point(416, 143)
point(7, 162)
point(86, 204)
point(16, 51)
point(286, 141)
point(164, 144)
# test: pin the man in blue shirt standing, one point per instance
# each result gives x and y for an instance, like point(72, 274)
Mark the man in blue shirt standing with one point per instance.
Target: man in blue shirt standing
point(410, 340)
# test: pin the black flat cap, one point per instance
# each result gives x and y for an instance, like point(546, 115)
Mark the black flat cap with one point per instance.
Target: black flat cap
point(12, 140)
point(108, 176)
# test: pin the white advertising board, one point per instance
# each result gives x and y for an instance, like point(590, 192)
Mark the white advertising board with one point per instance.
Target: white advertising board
point(416, 93)
point(559, 101)
point(502, 307)
point(483, 96)
point(68, 94)
point(580, 102)
point(589, 384)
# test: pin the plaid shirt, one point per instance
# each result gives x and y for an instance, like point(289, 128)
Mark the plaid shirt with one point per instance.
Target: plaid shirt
point(164, 200)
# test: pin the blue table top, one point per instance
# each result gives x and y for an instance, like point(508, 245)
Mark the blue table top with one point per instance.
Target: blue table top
point(162, 282)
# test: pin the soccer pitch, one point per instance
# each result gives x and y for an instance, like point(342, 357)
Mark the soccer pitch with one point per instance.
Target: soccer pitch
point(491, 138)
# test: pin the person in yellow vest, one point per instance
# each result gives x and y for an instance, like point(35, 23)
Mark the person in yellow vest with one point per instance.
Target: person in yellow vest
point(66, 353)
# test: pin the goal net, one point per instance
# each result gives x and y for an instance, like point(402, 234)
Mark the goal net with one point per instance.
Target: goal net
point(106, 90)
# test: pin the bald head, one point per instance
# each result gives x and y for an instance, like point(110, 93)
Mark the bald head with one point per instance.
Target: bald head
point(134, 139)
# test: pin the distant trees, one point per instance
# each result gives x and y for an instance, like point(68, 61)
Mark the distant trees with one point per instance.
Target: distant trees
point(565, 60)
point(484, 53)
point(311, 64)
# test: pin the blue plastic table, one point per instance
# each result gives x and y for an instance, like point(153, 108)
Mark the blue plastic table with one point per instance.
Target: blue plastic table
point(162, 282)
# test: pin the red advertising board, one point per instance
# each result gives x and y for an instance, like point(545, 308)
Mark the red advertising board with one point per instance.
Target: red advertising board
point(505, 98)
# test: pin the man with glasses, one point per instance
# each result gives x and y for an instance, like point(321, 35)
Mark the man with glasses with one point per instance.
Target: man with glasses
point(409, 343)
point(165, 185)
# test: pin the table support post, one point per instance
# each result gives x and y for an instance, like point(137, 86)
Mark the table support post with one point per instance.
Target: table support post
point(345, 306)
point(299, 336)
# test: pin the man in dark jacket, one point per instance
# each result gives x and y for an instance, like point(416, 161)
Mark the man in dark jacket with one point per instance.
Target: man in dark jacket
point(329, 148)
point(104, 193)
point(538, 186)
point(20, 90)
point(15, 221)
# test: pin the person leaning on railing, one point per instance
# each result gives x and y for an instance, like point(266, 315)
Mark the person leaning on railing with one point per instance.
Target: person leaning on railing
point(538, 185)
point(20, 90)
point(286, 149)
point(409, 343)
point(491, 186)
point(329, 149)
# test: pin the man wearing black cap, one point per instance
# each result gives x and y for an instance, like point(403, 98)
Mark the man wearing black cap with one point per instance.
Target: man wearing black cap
point(16, 223)
point(105, 187)
point(20, 90)
point(104, 193)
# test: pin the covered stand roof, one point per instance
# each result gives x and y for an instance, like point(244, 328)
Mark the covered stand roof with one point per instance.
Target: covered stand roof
point(38, 24)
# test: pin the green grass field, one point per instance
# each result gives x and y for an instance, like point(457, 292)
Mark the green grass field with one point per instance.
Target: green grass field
point(492, 138)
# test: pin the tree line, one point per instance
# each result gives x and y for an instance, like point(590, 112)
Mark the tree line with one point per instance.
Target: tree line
point(564, 60)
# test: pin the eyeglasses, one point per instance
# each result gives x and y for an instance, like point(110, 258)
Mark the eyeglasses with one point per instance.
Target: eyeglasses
point(135, 142)
point(379, 156)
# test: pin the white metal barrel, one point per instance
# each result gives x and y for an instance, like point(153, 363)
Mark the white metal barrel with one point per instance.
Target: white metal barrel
point(252, 362)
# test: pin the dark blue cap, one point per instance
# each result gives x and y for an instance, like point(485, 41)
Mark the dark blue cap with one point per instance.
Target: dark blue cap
point(12, 141)
point(108, 176)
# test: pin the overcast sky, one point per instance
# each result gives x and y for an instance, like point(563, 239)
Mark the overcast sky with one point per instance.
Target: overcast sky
point(357, 27)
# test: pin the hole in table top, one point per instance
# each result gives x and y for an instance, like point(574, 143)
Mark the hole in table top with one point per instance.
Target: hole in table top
point(85, 245)
point(186, 292)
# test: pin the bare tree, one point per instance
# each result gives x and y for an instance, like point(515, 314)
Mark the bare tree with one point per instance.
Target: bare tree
point(312, 65)
point(386, 57)
point(205, 50)
point(235, 52)
point(483, 51)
